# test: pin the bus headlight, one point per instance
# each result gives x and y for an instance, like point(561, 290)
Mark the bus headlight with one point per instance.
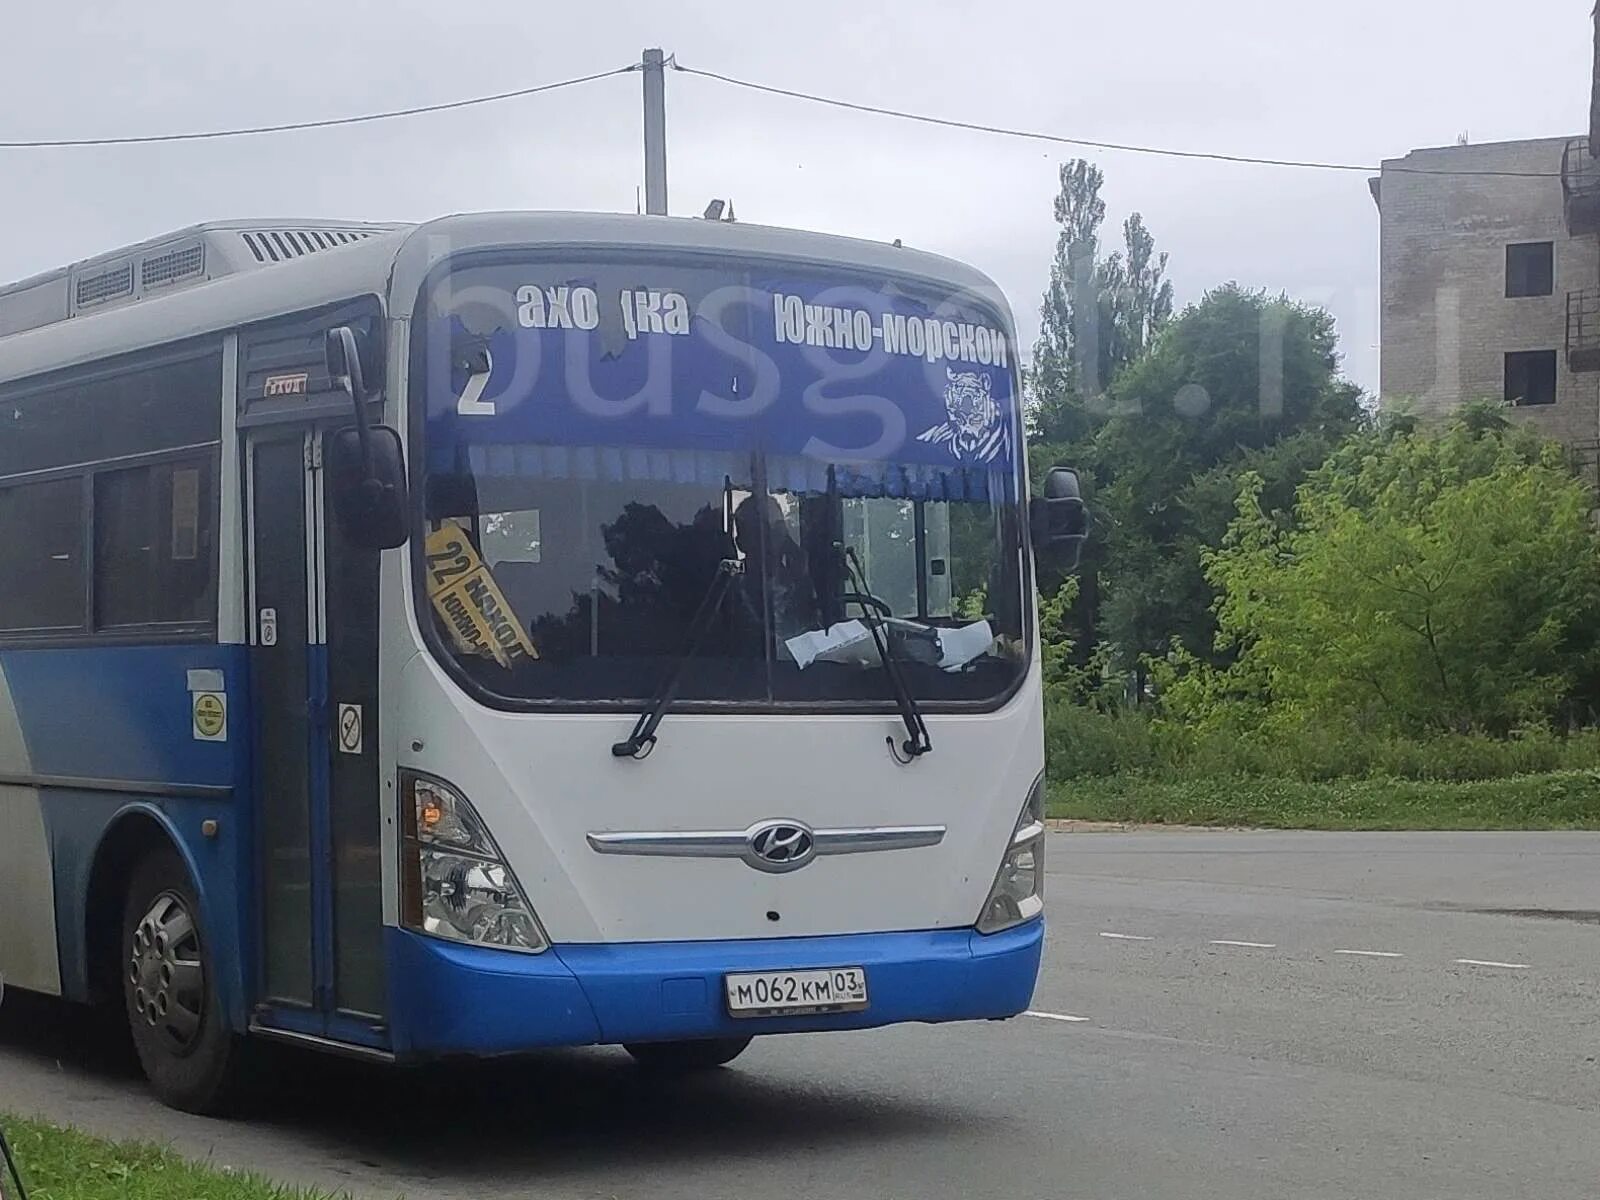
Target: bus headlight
point(454, 881)
point(1018, 892)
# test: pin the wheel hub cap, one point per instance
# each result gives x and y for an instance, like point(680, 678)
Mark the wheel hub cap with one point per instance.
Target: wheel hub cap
point(167, 973)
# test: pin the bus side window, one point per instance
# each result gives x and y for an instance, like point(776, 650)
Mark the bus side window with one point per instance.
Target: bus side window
point(154, 560)
point(41, 556)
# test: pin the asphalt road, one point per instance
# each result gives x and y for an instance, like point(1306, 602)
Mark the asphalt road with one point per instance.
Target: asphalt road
point(1278, 1015)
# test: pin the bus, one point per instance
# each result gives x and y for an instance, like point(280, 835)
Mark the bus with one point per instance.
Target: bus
point(514, 631)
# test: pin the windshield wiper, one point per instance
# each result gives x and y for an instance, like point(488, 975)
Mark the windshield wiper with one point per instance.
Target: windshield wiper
point(643, 738)
point(917, 742)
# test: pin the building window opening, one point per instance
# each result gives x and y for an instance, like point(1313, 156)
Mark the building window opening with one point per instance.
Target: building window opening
point(1531, 377)
point(1530, 269)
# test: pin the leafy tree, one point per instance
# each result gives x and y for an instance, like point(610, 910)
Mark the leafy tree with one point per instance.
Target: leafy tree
point(1141, 293)
point(1098, 315)
point(1079, 213)
point(1240, 381)
point(1430, 582)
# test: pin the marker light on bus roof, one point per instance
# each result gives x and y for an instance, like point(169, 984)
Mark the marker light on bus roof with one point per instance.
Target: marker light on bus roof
point(456, 883)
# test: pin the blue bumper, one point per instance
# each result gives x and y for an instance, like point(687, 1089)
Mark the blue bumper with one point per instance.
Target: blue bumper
point(452, 999)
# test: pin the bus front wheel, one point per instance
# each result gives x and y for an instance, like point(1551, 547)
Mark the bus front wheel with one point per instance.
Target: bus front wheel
point(169, 990)
point(682, 1057)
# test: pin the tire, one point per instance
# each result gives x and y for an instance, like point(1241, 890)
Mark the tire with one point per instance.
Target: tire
point(169, 991)
point(680, 1058)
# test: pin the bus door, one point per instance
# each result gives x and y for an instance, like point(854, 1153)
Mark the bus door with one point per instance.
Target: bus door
point(314, 665)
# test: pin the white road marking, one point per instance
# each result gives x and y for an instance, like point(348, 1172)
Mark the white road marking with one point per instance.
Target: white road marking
point(1371, 953)
point(1478, 962)
point(1247, 945)
point(1053, 1016)
point(1127, 937)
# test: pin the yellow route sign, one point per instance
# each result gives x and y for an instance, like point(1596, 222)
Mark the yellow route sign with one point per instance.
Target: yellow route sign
point(470, 602)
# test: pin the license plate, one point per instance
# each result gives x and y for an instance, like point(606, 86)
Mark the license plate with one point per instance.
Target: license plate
point(767, 993)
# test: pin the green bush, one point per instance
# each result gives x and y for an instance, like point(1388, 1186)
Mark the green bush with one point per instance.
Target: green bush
point(1427, 612)
point(1082, 741)
point(1085, 742)
point(1429, 584)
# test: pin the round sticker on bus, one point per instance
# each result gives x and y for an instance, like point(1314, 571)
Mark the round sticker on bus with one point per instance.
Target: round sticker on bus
point(210, 717)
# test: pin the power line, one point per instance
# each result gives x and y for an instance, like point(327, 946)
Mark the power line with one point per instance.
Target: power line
point(769, 89)
point(326, 123)
point(1090, 143)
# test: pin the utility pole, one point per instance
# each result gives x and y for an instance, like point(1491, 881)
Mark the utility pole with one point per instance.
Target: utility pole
point(655, 133)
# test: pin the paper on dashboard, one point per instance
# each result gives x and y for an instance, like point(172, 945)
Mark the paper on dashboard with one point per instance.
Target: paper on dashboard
point(958, 647)
point(848, 642)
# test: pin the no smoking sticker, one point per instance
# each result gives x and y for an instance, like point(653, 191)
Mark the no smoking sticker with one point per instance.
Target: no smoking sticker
point(210, 717)
point(350, 728)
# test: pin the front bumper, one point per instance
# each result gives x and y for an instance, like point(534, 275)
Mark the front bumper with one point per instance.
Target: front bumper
point(454, 999)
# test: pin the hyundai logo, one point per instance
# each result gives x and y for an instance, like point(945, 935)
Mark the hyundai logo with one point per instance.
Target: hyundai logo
point(779, 846)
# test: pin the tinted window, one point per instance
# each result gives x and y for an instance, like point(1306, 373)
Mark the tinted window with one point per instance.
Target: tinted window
point(136, 412)
point(1530, 269)
point(1531, 377)
point(602, 576)
point(932, 566)
point(41, 555)
point(153, 545)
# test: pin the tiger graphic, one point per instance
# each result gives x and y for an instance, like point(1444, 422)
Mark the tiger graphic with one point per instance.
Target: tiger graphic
point(975, 430)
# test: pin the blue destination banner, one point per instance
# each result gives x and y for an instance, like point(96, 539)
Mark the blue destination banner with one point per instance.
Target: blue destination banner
point(690, 358)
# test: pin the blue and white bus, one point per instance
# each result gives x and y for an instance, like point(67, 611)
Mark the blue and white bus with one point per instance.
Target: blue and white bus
point(516, 631)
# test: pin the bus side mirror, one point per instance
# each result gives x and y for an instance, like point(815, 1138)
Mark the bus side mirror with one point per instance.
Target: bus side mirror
point(367, 480)
point(1058, 520)
point(341, 349)
point(366, 466)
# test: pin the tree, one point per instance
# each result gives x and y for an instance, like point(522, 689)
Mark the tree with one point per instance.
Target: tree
point(1430, 582)
point(1240, 381)
point(1079, 213)
point(1141, 293)
point(1098, 315)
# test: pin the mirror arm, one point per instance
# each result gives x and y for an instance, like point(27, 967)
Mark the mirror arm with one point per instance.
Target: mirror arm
point(363, 431)
point(354, 385)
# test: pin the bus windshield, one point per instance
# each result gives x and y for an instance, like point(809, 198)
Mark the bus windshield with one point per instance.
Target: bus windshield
point(598, 440)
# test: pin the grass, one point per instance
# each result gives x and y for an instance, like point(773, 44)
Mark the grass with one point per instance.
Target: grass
point(1552, 800)
point(64, 1164)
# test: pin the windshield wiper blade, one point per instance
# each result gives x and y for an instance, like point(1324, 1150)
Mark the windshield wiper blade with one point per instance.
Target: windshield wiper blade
point(917, 741)
point(642, 740)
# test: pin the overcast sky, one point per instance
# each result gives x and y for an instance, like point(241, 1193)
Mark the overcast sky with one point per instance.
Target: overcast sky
point(1357, 81)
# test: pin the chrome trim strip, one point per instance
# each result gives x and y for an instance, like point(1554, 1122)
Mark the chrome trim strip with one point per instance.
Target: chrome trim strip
point(687, 844)
point(718, 843)
point(312, 1041)
point(134, 787)
point(878, 837)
